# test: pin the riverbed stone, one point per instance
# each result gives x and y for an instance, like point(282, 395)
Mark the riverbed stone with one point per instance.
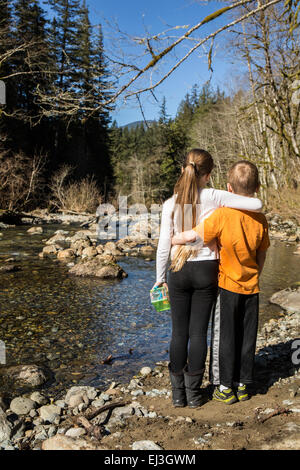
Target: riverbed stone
point(66, 254)
point(288, 299)
point(145, 371)
point(35, 230)
point(5, 427)
point(49, 413)
point(75, 432)
point(82, 394)
point(99, 267)
point(50, 250)
point(22, 406)
point(39, 398)
point(62, 442)
point(145, 445)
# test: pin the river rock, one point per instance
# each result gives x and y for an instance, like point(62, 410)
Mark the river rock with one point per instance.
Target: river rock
point(49, 413)
point(147, 250)
point(39, 398)
point(89, 252)
point(50, 250)
point(57, 238)
point(10, 268)
point(65, 254)
point(75, 432)
point(145, 445)
point(22, 406)
point(5, 427)
point(35, 230)
point(32, 375)
point(82, 394)
point(61, 442)
point(24, 375)
point(145, 371)
point(103, 267)
point(288, 299)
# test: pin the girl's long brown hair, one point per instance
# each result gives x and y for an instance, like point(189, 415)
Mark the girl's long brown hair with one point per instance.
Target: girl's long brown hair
point(197, 163)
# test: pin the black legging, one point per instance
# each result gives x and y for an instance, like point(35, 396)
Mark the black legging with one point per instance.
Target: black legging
point(193, 292)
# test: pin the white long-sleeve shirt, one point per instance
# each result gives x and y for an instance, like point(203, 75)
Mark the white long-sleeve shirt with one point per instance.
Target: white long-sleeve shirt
point(210, 199)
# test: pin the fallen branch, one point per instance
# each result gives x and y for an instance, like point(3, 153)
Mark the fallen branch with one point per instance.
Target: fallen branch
point(96, 411)
point(279, 411)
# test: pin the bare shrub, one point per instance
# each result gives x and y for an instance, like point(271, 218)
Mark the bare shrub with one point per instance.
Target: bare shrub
point(20, 180)
point(77, 196)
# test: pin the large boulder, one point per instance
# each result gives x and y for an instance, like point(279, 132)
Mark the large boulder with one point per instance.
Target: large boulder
point(102, 266)
point(288, 299)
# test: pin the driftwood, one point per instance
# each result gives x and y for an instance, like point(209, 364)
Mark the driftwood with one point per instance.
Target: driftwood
point(277, 412)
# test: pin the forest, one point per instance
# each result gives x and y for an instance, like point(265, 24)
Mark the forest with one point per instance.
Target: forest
point(60, 150)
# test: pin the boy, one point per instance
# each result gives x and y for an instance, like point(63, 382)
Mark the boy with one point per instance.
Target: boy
point(243, 240)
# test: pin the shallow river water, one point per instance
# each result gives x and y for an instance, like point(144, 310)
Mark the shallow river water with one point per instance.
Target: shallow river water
point(71, 324)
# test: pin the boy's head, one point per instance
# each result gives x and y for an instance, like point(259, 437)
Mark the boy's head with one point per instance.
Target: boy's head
point(243, 178)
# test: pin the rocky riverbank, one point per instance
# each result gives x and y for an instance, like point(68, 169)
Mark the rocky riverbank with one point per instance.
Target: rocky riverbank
point(140, 415)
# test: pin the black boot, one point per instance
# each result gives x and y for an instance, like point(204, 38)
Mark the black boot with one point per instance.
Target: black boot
point(193, 381)
point(178, 388)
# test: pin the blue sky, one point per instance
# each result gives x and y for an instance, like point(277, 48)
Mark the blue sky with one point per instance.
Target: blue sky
point(158, 15)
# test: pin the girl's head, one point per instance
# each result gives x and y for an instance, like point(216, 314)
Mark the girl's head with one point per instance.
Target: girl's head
point(194, 176)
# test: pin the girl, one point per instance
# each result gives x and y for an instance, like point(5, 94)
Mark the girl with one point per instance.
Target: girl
point(193, 277)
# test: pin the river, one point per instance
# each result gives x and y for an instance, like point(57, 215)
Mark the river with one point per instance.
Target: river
point(71, 324)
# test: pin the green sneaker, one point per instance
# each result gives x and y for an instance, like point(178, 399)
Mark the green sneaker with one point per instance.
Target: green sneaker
point(242, 394)
point(227, 396)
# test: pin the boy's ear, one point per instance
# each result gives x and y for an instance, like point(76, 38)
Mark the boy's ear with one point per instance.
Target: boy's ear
point(229, 188)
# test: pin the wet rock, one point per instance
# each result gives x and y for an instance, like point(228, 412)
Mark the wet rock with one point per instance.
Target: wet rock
point(57, 238)
point(100, 267)
point(49, 413)
point(61, 442)
point(35, 230)
point(145, 371)
point(22, 406)
point(10, 268)
point(50, 250)
point(145, 445)
point(5, 427)
point(65, 254)
point(89, 252)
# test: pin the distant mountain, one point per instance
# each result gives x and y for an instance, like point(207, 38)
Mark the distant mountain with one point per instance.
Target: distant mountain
point(134, 124)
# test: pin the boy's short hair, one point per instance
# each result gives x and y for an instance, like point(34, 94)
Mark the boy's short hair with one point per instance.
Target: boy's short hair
point(243, 177)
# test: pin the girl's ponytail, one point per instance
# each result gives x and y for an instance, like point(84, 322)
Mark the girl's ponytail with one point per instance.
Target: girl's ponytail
point(198, 163)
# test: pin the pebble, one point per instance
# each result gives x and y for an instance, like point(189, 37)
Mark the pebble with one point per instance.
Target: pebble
point(145, 371)
point(75, 432)
point(136, 393)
